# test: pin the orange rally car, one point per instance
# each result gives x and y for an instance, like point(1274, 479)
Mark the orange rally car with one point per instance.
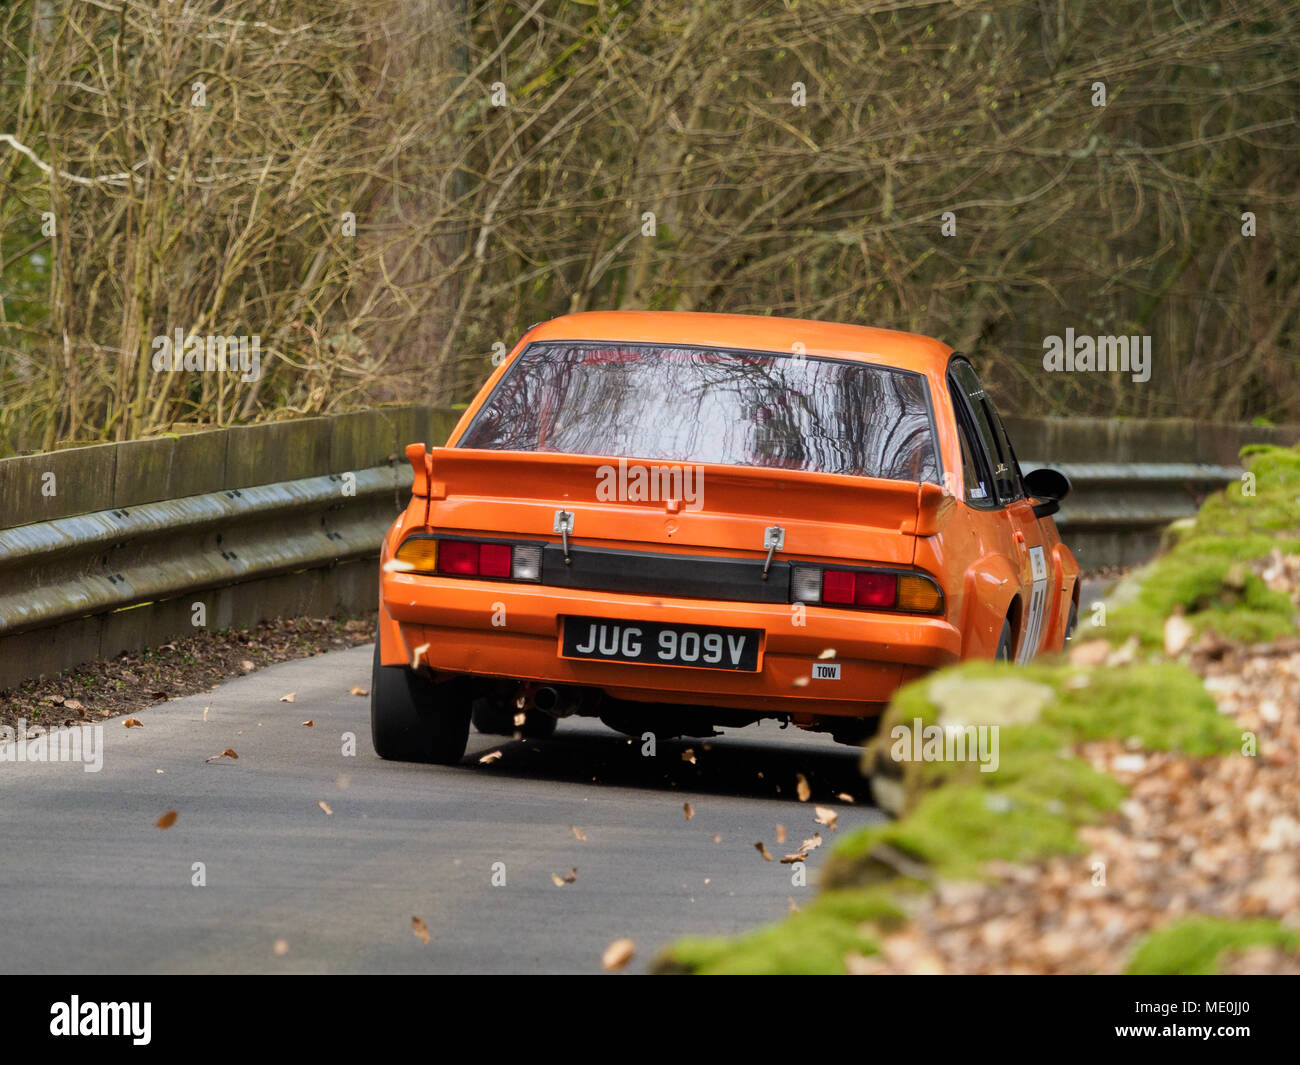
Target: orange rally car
point(676, 521)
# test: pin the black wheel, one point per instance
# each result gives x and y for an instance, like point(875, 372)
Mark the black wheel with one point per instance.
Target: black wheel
point(1072, 623)
point(412, 719)
point(494, 720)
point(1004, 645)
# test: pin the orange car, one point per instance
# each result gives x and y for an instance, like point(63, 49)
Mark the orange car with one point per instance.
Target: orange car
point(676, 521)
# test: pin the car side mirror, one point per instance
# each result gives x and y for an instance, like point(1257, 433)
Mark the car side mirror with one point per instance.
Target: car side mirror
point(1049, 487)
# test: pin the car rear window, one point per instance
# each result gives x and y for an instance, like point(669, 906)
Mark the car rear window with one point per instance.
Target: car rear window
point(706, 405)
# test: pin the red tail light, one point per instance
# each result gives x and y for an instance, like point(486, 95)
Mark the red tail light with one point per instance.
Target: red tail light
point(858, 588)
point(459, 558)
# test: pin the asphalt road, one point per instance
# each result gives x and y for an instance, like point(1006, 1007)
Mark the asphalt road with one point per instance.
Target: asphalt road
point(88, 884)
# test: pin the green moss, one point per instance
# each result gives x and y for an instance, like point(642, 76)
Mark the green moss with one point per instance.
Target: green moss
point(813, 941)
point(1192, 946)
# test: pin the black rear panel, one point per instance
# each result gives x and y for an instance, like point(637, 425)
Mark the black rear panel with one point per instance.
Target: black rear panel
point(647, 573)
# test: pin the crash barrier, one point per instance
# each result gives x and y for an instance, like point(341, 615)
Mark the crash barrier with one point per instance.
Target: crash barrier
point(118, 547)
point(1131, 479)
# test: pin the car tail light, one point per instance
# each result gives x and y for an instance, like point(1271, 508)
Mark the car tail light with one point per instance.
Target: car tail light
point(873, 589)
point(472, 558)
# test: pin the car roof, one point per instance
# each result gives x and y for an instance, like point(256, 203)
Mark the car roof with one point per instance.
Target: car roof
point(751, 332)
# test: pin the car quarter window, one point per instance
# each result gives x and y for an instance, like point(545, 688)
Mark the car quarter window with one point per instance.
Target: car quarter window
point(974, 471)
point(968, 391)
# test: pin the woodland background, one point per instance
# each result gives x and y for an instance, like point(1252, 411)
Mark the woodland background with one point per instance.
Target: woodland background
point(499, 157)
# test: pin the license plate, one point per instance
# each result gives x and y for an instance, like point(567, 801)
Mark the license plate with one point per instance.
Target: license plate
point(665, 645)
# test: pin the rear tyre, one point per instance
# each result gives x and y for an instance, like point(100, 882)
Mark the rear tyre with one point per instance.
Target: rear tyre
point(1004, 645)
point(414, 719)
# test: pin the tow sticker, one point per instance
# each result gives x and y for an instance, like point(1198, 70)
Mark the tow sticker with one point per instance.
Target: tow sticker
point(826, 671)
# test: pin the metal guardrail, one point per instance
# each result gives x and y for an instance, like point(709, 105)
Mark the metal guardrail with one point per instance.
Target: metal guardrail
point(56, 571)
point(1117, 511)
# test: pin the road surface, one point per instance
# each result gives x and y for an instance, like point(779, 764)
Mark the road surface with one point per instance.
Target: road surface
point(88, 884)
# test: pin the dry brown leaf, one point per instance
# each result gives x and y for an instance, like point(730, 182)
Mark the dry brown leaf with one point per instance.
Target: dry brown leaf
point(618, 954)
point(762, 849)
point(227, 753)
point(828, 653)
point(560, 881)
point(578, 834)
point(356, 689)
point(688, 755)
point(292, 697)
point(801, 787)
point(247, 666)
point(73, 704)
point(790, 859)
point(826, 816)
point(688, 810)
point(417, 654)
point(133, 722)
point(1177, 634)
point(167, 820)
point(811, 844)
point(309, 723)
point(844, 796)
point(780, 833)
point(420, 929)
point(491, 756)
point(326, 807)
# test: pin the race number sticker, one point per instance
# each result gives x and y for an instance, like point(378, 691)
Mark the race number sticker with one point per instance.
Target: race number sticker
point(1037, 605)
point(826, 671)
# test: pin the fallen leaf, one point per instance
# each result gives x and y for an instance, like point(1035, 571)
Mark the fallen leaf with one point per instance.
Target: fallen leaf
point(801, 787)
point(844, 796)
point(790, 859)
point(618, 954)
point(167, 820)
point(828, 653)
point(491, 756)
point(247, 666)
point(227, 753)
point(811, 844)
point(560, 881)
point(1177, 634)
point(309, 723)
point(759, 846)
point(292, 697)
point(688, 810)
point(73, 704)
point(133, 722)
point(688, 755)
point(826, 816)
point(420, 929)
point(1090, 653)
point(780, 833)
point(326, 807)
point(417, 654)
point(577, 832)
point(356, 689)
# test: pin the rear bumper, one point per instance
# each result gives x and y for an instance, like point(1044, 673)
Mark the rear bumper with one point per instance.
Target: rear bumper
point(501, 629)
